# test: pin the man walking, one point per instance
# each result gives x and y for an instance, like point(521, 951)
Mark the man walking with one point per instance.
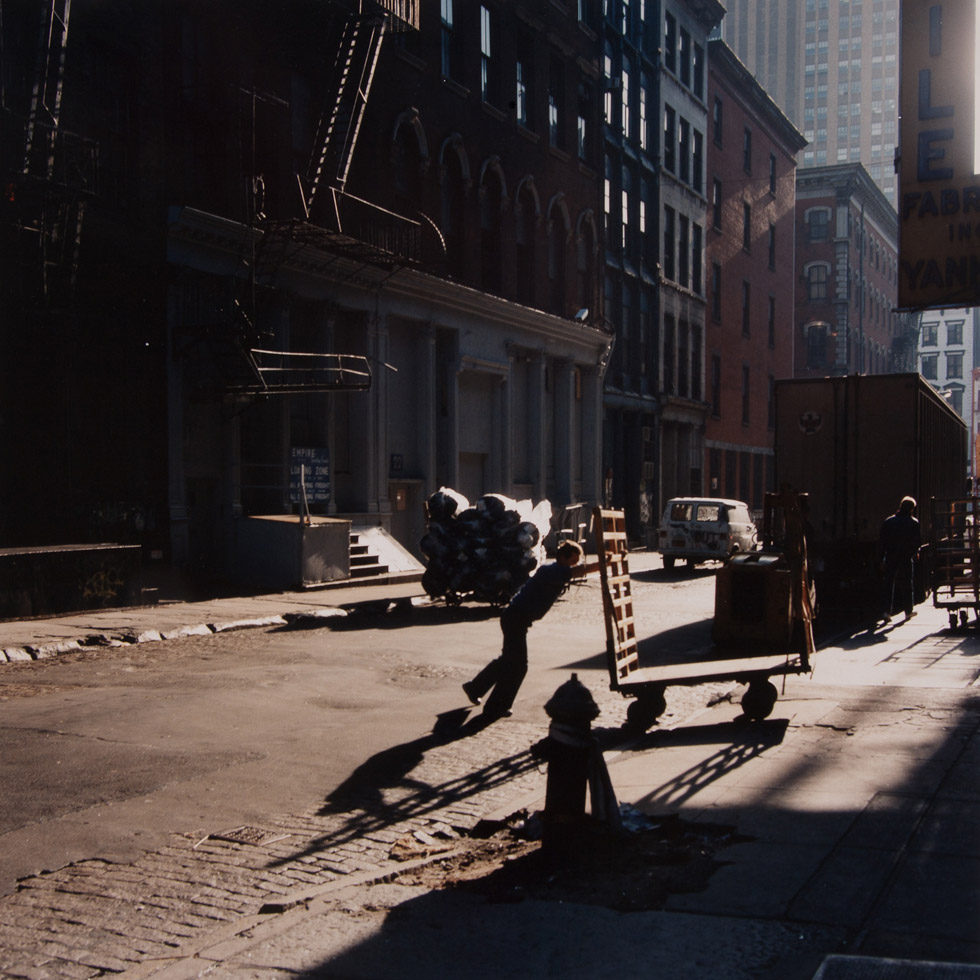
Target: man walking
point(530, 603)
point(900, 542)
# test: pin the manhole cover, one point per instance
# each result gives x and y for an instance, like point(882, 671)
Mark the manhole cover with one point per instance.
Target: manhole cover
point(248, 835)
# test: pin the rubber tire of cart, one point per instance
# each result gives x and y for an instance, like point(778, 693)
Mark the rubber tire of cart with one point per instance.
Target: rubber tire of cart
point(952, 620)
point(668, 562)
point(645, 710)
point(759, 699)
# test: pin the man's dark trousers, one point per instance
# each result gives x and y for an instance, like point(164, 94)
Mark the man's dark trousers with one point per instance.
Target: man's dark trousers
point(506, 672)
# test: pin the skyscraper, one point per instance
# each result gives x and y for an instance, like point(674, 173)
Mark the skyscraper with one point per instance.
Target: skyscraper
point(832, 67)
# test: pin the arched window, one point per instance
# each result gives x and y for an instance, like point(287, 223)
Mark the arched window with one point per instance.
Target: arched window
point(525, 228)
point(407, 154)
point(585, 243)
point(454, 178)
point(492, 195)
point(558, 230)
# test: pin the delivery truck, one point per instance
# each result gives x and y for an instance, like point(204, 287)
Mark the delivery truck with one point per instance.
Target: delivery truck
point(855, 445)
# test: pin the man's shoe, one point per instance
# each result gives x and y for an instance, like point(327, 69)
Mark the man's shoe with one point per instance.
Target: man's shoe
point(471, 694)
point(909, 615)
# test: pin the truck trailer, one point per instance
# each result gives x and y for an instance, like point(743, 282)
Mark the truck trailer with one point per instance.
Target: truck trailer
point(855, 445)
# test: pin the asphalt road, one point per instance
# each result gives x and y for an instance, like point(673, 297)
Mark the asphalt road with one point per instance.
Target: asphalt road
point(108, 751)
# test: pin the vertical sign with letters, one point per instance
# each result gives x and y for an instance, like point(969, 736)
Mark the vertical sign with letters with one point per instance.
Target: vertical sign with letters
point(939, 194)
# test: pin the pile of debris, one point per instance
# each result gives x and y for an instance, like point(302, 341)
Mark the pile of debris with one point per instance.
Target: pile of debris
point(484, 552)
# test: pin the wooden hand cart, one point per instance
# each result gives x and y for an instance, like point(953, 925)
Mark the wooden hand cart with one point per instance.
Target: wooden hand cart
point(762, 625)
point(955, 558)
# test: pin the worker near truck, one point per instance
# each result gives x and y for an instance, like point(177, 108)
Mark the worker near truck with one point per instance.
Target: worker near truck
point(900, 542)
point(506, 673)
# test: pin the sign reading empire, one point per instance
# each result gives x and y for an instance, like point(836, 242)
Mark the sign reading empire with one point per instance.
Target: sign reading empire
point(939, 200)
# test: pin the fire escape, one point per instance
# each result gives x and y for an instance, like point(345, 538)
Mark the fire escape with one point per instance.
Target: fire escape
point(335, 227)
point(58, 172)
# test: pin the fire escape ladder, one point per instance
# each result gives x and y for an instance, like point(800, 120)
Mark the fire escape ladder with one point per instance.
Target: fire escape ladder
point(46, 94)
point(340, 124)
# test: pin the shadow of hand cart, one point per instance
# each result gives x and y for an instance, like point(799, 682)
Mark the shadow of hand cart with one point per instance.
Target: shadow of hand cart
point(763, 623)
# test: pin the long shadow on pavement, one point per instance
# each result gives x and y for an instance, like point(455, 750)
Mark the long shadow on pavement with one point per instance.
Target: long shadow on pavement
point(383, 791)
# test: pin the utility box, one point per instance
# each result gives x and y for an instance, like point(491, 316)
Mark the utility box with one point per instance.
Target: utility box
point(281, 551)
point(754, 602)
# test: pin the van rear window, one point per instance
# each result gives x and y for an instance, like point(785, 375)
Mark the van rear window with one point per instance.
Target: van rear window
point(681, 512)
point(708, 512)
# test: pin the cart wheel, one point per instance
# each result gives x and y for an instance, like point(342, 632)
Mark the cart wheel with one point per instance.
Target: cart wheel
point(964, 619)
point(952, 620)
point(644, 711)
point(759, 699)
point(668, 562)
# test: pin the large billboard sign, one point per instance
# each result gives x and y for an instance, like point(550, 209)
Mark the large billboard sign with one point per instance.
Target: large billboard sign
point(939, 190)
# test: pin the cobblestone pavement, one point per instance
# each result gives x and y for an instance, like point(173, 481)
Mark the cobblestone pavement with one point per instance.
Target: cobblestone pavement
point(93, 917)
point(409, 803)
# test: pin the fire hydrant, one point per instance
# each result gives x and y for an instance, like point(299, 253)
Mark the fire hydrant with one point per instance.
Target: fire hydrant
point(568, 750)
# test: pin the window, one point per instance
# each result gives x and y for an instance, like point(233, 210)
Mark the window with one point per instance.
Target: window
point(584, 133)
point(448, 40)
point(683, 360)
point(772, 322)
point(954, 365)
point(668, 256)
point(644, 121)
point(747, 150)
point(697, 162)
point(697, 70)
point(772, 246)
point(670, 138)
point(486, 52)
point(816, 278)
point(818, 221)
point(930, 366)
point(745, 394)
point(716, 385)
point(668, 356)
point(684, 58)
point(697, 246)
point(684, 151)
point(525, 75)
point(746, 298)
point(670, 43)
point(954, 333)
point(772, 173)
point(556, 104)
point(930, 334)
point(747, 226)
point(696, 363)
point(683, 250)
point(816, 345)
point(716, 290)
point(717, 121)
point(625, 99)
point(625, 200)
point(716, 204)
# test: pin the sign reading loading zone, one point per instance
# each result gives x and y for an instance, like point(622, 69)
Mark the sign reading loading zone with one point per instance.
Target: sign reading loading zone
point(939, 198)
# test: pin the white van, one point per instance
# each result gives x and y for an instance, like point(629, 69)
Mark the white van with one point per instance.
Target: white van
point(705, 529)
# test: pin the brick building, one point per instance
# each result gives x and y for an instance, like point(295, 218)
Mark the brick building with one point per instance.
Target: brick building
point(655, 65)
point(751, 166)
point(847, 263)
point(374, 263)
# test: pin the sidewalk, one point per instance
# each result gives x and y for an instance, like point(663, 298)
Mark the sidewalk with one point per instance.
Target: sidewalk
point(849, 821)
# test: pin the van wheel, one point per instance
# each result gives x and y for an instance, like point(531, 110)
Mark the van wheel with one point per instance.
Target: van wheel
point(668, 562)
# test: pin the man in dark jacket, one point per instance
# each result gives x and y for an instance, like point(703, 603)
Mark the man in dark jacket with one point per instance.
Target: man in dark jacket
point(901, 540)
point(530, 603)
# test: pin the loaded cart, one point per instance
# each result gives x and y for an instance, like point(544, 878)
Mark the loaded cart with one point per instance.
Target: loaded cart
point(762, 625)
point(955, 558)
